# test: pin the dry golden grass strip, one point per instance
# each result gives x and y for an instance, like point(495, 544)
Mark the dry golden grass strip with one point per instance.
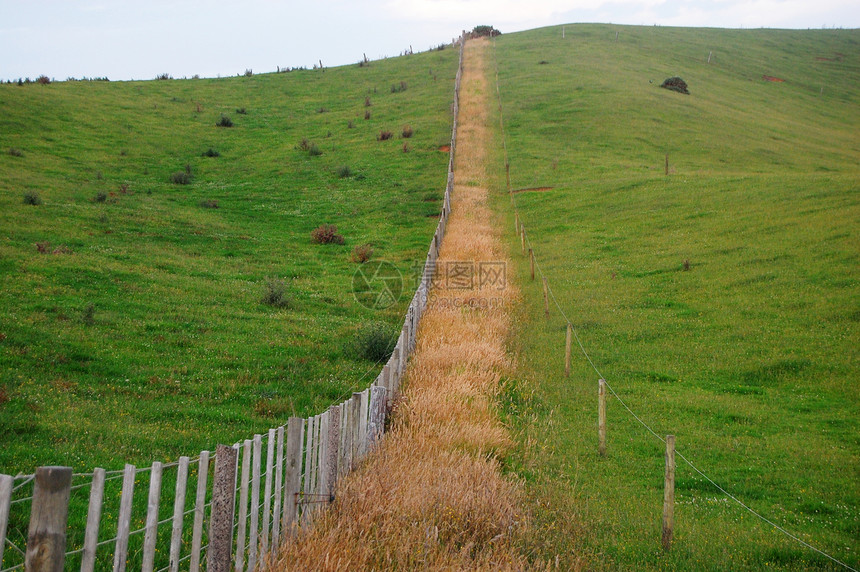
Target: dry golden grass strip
point(432, 495)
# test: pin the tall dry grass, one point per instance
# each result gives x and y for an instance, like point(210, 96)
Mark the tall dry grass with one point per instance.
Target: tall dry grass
point(432, 495)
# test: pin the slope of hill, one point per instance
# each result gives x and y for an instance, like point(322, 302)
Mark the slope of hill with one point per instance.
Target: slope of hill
point(131, 321)
point(704, 247)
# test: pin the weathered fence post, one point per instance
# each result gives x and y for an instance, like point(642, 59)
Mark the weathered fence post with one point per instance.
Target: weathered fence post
point(178, 513)
point(46, 540)
point(199, 511)
point(523, 238)
point(279, 488)
point(94, 517)
point(267, 493)
point(362, 426)
point(6, 482)
point(123, 526)
point(567, 341)
point(243, 505)
point(601, 418)
point(332, 449)
point(151, 533)
point(253, 537)
point(293, 472)
point(223, 499)
point(669, 493)
point(532, 262)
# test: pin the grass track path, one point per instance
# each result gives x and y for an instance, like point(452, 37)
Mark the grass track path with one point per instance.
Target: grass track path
point(433, 494)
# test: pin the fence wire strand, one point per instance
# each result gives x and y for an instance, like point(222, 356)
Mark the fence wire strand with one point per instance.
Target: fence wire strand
point(584, 352)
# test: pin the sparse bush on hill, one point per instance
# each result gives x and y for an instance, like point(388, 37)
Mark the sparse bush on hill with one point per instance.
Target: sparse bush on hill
point(209, 204)
point(384, 136)
point(32, 198)
point(344, 171)
point(163, 76)
point(249, 72)
point(398, 88)
point(210, 152)
point(241, 111)
point(367, 114)
point(224, 121)
point(361, 253)
point(100, 197)
point(407, 132)
point(275, 294)
point(326, 234)
point(15, 152)
point(180, 178)
point(43, 80)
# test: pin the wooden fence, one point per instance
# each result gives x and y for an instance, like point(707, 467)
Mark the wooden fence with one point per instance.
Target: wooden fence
point(261, 489)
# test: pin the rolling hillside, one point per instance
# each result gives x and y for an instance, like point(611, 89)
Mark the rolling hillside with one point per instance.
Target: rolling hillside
point(132, 326)
point(705, 249)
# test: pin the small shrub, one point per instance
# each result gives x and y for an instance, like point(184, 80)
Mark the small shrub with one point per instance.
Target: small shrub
point(367, 114)
point(384, 136)
point(350, 124)
point(15, 152)
point(224, 121)
point(210, 152)
point(367, 101)
point(88, 316)
point(344, 171)
point(241, 111)
point(407, 132)
point(314, 151)
point(275, 294)
point(361, 253)
point(43, 80)
point(62, 249)
point(100, 197)
point(398, 88)
point(326, 234)
point(123, 188)
point(249, 72)
point(180, 178)
point(304, 144)
point(32, 198)
point(322, 109)
point(686, 265)
point(43, 247)
point(209, 204)
point(375, 341)
point(163, 76)
point(405, 147)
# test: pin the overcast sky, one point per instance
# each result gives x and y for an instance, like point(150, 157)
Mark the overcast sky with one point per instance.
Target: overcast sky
point(141, 39)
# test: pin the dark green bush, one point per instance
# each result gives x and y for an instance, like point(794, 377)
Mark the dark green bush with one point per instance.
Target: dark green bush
point(224, 122)
point(32, 198)
point(344, 171)
point(210, 152)
point(375, 341)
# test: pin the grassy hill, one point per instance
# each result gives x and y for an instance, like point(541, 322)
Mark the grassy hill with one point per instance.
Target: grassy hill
point(131, 321)
point(721, 300)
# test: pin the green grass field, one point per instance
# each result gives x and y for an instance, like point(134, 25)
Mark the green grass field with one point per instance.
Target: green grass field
point(131, 322)
point(750, 356)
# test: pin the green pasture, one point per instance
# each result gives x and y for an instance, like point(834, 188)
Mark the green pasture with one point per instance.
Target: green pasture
point(721, 301)
point(131, 322)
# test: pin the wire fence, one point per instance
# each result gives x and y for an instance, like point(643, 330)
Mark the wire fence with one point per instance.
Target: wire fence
point(549, 294)
point(260, 489)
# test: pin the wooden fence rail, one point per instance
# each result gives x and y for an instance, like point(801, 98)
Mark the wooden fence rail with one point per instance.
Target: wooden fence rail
point(254, 499)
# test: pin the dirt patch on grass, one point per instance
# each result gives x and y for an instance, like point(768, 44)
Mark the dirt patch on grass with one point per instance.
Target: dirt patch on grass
point(772, 78)
point(445, 148)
